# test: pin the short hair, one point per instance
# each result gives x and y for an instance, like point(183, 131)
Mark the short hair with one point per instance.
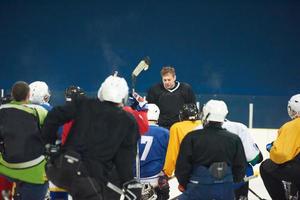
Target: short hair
point(167, 69)
point(20, 91)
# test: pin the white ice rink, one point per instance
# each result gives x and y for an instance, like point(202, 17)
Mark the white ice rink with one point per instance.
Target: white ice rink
point(261, 137)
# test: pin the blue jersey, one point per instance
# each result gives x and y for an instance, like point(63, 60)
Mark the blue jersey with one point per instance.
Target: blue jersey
point(153, 147)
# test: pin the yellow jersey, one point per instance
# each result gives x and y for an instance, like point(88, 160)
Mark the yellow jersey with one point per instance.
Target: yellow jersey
point(177, 132)
point(287, 145)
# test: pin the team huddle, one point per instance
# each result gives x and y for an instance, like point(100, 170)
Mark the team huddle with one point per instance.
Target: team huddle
point(124, 146)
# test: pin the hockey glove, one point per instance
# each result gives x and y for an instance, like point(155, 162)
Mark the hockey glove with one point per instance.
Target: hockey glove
point(148, 192)
point(52, 151)
point(132, 190)
point(269, 146)
point(163, 189)
point(137, 102)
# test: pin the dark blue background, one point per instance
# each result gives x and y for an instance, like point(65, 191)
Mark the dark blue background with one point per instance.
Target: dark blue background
point(240, 51)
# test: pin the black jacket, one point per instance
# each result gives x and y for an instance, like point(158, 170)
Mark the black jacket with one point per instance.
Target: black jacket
point(20, 132)
point(104, 134)
point(209, 145)
point(170, 101)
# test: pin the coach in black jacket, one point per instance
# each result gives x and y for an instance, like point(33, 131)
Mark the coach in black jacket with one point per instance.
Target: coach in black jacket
point(170, 96)
point(103, 136)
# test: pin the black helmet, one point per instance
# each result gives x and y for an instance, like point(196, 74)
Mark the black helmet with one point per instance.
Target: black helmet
point(73, 92)
point(189, 112)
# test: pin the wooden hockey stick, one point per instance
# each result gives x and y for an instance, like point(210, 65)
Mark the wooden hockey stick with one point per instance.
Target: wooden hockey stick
point(143, 65)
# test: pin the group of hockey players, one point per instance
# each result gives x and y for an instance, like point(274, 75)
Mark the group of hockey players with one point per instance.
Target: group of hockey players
point(124, 146)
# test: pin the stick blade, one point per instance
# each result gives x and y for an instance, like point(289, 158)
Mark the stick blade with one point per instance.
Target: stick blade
point(143, 65)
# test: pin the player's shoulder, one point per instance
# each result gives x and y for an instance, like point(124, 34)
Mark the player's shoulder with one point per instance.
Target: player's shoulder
point(160, 129)
point(230, 135)
point(237, 126)
point(185, 85)
point(194, 134)
point(37, 107)
point(292, 124)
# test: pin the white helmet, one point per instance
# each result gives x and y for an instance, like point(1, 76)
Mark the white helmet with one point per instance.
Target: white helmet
point(214, 110)
point(39, 92)
point(153, 112)
point(294, 106)
point(113, 89)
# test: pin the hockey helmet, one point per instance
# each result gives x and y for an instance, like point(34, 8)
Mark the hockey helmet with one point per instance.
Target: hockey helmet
point(188, 112)
point(293, 106)
point(39, 92)
point(73, 92)
point(153, 112)
point(113, 89)
point(214, 110)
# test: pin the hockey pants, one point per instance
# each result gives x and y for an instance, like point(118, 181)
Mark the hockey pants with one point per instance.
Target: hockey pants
point(273, 174)
point(68, 172)
point(204, 185)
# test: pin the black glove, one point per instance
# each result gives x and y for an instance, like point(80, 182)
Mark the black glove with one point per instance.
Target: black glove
point(132, 190)
point(163, 188)
point(52, 151)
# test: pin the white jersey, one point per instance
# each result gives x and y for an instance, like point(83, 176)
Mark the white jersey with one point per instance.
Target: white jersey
point(251, 150)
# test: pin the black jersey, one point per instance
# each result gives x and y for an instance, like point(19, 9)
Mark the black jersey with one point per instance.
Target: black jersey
point(103, 134)
point(170, 101)
point(206, 146)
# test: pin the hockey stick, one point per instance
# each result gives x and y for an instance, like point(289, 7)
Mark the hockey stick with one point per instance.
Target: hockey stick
point(255, 194)
point(143, 65)
point(247, 179)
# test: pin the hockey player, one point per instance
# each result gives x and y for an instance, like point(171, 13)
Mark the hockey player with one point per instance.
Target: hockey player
point(284, 162)
point(71, 94)
point(22, 149)
point(153, 146)
point(210, 159)
point(103, 135)
point(252, 153)
point(169, 96)
point(40, 95)
point(5, 184)
point(138, 107)
point(189, 119)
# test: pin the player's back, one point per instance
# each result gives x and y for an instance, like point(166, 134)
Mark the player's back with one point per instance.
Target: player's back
point(153, 147)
